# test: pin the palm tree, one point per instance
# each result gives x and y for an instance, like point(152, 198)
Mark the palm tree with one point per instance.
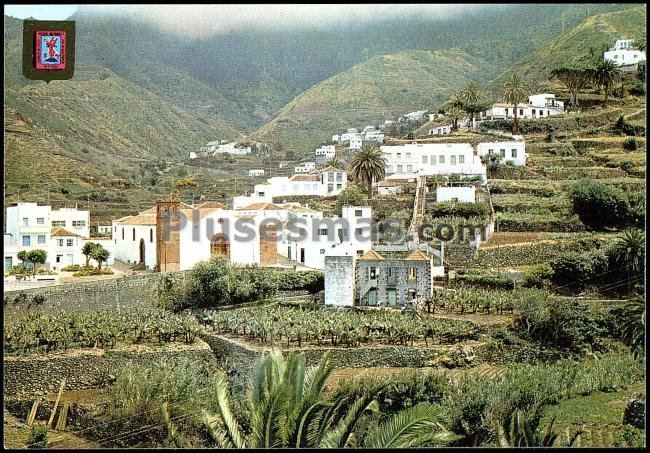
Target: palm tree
point(632, 325)
point(287, 408)
point(368, 165)
point(629, 252)
point(514, 91)
point(523, 432)
point(455, 114)
point(337, 162)
point(605, 75)
point(471, 95)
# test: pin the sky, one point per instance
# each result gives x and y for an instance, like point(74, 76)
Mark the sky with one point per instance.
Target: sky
point(206, 20)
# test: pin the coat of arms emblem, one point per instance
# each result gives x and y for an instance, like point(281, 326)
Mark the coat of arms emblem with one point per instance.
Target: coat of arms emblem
point(50, 50)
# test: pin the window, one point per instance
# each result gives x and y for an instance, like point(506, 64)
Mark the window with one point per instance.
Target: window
point(409, 168)
point(400, 169)
point(25, 221)
point(122, 233)
point(339, 186)
point(330, 187)
point(506, 112)
point(413, 274)
point(358, 212)
point(330, 177)
point(453, 160)
point(69, 242)
point(358, 232)
point(541, 113)
point(502, 152)
point(339, 177)
point(372, 273)
point(40, 239)
point(150, 234)
point(58, 258)
point(261, 194)
point(441, 159)
point(533, 111)
point(359, 252)
point(490, 151)
point(521, 111)
point(408, 155)
point(60, 223)
point(322, 231)
point(134, 234)
point(399, 155)
point(454, 199)
point(26, 241)
point(78, 223)
point(322, 251)
point(115, 228)
point(390, 272)
point(425, 159)
point(433, 160)
point(461, 159)
point(514, 153)
point(40, 221)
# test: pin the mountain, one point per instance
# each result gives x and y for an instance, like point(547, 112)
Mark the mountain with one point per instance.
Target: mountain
point(583, 44)
point(381, 88)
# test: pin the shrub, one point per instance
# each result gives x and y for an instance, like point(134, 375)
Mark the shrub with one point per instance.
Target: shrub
point(312, 281)
point(87, 272)
point(539, 277)
point(350, 196)
point(37, 436)
point(599, 205)
point(630, 144)
point(460, 209)
point(487, 281)
point(572, 271)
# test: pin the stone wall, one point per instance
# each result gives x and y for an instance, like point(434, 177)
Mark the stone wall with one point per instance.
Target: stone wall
point(124, 292)
point(339, 280)
point(34, 375)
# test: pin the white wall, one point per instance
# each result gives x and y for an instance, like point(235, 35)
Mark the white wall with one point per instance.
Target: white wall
point(462, 194)
point(70, 215)
point(128, 249)
point(625, 57)
point(518, 148)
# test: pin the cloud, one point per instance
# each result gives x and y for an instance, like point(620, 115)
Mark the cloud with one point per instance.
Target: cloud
point(206, 20)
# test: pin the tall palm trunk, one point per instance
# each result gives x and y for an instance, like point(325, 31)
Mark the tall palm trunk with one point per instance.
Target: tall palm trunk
point(369, 188)
point(515, 126)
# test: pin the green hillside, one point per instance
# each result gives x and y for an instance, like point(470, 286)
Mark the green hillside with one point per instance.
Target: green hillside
point(584, 44)
point(381, 88)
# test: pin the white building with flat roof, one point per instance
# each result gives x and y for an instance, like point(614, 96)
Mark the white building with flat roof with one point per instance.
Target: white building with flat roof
point(624, 53)
point(434, 159)
point(256, 172)
point(514, 151)
point(455, 194)
point(305, 167)
point(546, 101)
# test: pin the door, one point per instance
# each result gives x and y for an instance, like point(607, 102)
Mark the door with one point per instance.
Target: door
point(8, 263)
point(392, 297)
point(69, 258)
point(289, 253)
point(141, 251)
point(302, 255)
point(372, 297)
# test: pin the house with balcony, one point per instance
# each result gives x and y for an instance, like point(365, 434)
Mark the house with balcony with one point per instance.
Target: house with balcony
point(305, 167)
point(324, 153)
point(625, 53)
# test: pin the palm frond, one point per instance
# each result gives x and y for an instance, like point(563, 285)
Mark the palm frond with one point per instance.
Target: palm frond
point(232, 431)
point(338, 436)
point(411, 427)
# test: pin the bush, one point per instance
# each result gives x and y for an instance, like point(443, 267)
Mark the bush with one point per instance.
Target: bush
point(312, 281)
point(573, 271)
point(37, 436)
point(90, 271)
point(599, 205)
point(539, 277)
point(630, 144)
point(487, 281)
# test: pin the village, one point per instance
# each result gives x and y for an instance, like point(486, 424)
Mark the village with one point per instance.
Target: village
point(466, 274)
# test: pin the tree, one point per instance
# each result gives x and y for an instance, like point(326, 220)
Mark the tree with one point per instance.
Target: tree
point(599, 205)
point(87, 250)
point(514, 91)
point(605, 75)
point(631, 322)
point(286, 408)
point(368, 165)
point(22, 256)
point(471, 97)
point(100, 254)
point(574, 78)
point(337, 163)
point(35, 257)
point(455, 114)
point(350, 196)
point(492, 163)
point(629, 252)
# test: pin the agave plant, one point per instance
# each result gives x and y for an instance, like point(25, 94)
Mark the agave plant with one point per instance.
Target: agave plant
point(286, 408)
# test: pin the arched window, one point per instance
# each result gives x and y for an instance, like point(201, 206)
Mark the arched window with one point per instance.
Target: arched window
point(150, 234)
point(219, 245)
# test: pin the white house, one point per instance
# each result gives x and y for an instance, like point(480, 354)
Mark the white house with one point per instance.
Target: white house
point(193, 155)
point(325, 153)
point(372, 136)
point(441, 129)
point(325, 182)
point(310, 240)
point(546, 101)
point(501, 111)
point(349, 136)
point(459, 194)
point(335, 138)
point(434, 159)
point(222, 147)
point(624, 53)
point(256, 172)
point(355, 144)
point(30, 226)
point(514, 151)
point(305, 167)
point(414, 116)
